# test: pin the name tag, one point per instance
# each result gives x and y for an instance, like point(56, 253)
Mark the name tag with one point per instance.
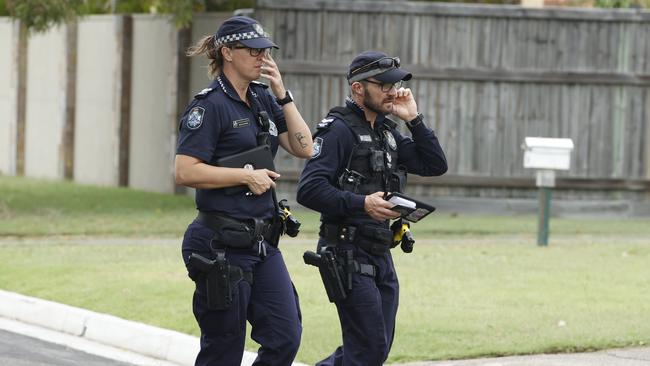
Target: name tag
point(365, 138)
point(241, 123)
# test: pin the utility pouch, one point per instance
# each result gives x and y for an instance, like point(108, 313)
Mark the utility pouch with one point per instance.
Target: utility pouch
point(331, 273)
point(350, 180)
point(227, 232)
point(373, 239)
point(235, 235)
point(219, 277)
point(398, 179)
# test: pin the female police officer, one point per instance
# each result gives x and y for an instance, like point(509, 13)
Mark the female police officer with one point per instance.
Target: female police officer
point(224, 119)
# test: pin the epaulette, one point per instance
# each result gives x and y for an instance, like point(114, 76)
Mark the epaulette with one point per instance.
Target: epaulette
point(325, 123)
point(259, 84)
point(203, 93)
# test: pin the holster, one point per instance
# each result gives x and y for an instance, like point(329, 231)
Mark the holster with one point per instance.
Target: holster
point(220, 277)
point(331, 273)
point(336, 271)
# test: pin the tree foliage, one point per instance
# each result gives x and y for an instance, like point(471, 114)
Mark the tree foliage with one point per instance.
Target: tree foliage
point(3, 9)
point(40, 15)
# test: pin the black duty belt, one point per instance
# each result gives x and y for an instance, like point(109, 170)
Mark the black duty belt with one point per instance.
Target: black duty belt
point(373, 239)
point(216, 221)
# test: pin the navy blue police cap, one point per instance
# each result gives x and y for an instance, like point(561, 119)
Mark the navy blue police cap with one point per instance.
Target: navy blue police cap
point(244, 30)
point(377, 65)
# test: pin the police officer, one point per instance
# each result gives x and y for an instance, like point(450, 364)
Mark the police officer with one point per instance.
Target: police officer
point(358, 157)
point(226, 118)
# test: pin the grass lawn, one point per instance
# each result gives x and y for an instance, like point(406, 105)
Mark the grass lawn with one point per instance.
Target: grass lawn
point(474, 286)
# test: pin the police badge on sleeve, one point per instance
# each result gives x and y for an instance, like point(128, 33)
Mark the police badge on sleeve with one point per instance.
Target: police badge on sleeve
point(195, 118)
point(317, 147)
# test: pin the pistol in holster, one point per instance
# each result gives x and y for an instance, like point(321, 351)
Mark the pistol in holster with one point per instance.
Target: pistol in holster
point(402, 235)
point(331, 273)
point(220, 276)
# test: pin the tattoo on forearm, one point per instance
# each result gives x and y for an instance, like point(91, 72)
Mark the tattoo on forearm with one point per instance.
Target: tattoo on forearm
point(300, 137)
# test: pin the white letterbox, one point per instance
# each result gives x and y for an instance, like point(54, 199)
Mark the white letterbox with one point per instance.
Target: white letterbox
point(547, 153)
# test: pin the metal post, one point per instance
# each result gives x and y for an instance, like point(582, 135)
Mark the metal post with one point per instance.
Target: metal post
point(545, 181)
point(544, 213)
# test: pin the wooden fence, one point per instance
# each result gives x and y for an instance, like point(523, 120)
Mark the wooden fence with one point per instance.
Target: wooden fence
point(486, 77)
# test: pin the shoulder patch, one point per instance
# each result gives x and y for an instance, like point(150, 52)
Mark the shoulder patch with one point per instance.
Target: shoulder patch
point(195, 118)
point(317, 147)
point(325, 122)
point(203, 93)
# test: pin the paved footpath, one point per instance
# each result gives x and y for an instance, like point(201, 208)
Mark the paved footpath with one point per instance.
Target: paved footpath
point(615, 357)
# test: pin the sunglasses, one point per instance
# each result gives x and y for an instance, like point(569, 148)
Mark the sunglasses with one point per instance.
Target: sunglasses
point(382, 63)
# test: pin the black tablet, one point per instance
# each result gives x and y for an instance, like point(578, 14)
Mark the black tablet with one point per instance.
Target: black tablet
point(410, 209)
point(259, 157)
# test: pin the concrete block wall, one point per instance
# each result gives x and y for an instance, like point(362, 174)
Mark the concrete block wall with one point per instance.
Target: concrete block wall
point(153, 104)
point(8, 95)
point(45, 111)
point(97, 112)
point(116, 124)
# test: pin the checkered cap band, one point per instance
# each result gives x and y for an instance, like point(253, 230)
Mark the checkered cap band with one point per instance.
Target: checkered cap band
point(237, 37)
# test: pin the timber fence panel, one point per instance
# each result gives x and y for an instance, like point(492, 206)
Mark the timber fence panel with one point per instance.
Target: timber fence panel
point(488, 76)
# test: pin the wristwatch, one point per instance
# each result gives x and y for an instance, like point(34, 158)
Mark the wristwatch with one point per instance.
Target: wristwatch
point(415, 121)
point(288, 98)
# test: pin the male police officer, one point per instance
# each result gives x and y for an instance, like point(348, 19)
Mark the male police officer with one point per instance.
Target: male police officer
point(231, 248)
point(358, 157)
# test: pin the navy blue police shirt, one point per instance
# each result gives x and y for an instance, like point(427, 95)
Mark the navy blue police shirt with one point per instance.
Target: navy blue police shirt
point(333, 143)
point(216, 124)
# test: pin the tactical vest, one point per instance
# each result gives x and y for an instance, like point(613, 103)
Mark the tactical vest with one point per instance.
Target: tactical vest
point(372, 164)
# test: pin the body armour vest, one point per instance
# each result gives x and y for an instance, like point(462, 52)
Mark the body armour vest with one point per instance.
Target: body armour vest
point(372, 164)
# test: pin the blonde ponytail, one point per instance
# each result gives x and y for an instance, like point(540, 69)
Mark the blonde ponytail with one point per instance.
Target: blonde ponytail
point(206, 45)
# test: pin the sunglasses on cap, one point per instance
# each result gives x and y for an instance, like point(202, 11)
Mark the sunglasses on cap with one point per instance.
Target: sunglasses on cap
point(382, 64)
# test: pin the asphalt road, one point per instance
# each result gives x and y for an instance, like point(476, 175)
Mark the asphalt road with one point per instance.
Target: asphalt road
point(20, 350)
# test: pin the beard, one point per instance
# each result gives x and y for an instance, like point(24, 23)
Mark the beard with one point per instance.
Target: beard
point(376, 106)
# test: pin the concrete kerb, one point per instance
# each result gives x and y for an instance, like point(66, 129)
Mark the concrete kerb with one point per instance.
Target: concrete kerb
point(106, 329)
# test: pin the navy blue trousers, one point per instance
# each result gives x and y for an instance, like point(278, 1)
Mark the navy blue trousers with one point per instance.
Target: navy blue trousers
point(270, 304)
point(367, 314)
